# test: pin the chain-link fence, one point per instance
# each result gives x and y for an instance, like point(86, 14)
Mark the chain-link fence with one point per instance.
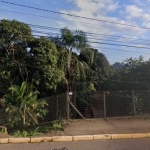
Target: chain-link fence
point(92, 105)
point(112, 104)
point(28, 120)
point(56, 108)
point(142, 102)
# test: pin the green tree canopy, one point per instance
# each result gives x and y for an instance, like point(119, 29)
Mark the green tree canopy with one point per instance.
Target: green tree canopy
point(44, 57)
point(99, 70)
point(14, 37)
point(134, 75)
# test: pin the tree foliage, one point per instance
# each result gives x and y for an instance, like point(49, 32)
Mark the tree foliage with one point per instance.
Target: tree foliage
point(22, 106)
point(58, 64)
point(134, 75)
point(44, 69)
point(99, 69)
point(14, 37)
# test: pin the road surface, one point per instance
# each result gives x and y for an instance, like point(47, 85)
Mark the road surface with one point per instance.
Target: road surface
point(128, 144)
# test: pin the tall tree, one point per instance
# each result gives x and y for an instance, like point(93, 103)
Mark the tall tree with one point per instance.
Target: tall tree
point(71, 40)
point(99, 70)
point(14, 37)
point(26, 58)
point(45, 73)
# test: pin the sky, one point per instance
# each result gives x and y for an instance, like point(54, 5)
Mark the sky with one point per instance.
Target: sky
point(112, 38)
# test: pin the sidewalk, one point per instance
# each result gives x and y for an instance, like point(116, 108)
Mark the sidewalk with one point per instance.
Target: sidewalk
point(129, 125)
point(106, 126)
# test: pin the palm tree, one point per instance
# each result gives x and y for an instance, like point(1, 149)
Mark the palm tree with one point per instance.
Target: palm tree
point(71, 40)
point(22, 106)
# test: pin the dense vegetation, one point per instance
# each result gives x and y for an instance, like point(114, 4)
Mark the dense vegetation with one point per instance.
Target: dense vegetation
point(51, 64)
point(133, 75)
point(33, 67)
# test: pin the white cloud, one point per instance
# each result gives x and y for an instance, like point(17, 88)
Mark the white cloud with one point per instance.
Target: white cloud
point(146, 25)
point(103, 10)
point(138, 11)
point(99, 9)
point(112, 7)
point(140, 2)
point(96, 5)
point(146, 17)
point(90, 6)
point(133, 11)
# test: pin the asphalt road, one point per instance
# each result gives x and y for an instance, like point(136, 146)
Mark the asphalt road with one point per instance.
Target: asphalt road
point(128, 144)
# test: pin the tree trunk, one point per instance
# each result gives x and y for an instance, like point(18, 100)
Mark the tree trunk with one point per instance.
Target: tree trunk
point(24, 115)
point(68, 71)
point(67, 100)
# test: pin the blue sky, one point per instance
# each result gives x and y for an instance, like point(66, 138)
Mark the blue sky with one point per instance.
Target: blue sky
point(135, 12)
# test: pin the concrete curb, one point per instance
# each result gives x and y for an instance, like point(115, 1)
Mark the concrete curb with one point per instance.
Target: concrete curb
point(83, 138)
point(74, 138)
point(103, 137)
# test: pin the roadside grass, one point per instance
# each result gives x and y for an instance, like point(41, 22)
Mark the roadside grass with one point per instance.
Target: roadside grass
point(2, 130)
point(37, 130)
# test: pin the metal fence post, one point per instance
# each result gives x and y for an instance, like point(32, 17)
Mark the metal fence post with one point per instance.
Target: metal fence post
point(104, 104)
point(68, 105)
point(57, 107)
point(133, 101)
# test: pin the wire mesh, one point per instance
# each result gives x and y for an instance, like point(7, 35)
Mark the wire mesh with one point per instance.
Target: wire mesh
point(142, 102)
point(2, 116)
point(14, 121)
point(119, 103)
point(90, 104)
point(112, 104)
point(56, 108)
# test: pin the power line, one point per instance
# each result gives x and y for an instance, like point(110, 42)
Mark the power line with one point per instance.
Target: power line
point(79, 22)
point(116, 57)
point(76, 16)
point(106, 43)
point(94, 38)
point(100, 47)
point(33, 15)
point(90, 33)
point(113, 44)
point(121, 45)
point(109, 49)
point(115, 36)
point(36, 31)
point(50, 17)
point(51, 28)
point(118, 41)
